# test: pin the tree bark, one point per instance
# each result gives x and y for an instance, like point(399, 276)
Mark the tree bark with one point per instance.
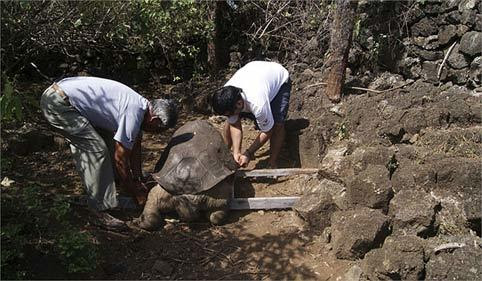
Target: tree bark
point(217, 47)
point(336, 57)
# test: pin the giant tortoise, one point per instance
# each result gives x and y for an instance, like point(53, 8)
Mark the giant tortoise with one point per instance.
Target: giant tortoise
point(194, 175)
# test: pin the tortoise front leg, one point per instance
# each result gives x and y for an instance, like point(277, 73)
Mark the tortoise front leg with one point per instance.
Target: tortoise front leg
point(158, 201)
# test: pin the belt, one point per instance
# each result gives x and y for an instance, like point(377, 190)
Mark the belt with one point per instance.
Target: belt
point(59, 91)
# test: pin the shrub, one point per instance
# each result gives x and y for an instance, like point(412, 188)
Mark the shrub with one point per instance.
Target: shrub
point(106, 35)
point(10, 102)
point(32, 220)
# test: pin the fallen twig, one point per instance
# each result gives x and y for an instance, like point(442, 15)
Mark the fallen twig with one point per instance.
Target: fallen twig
point(354, 88)
point(445, 58)
point(316, 84)
point(364, 89)
point(448, 246)
point(398, 87)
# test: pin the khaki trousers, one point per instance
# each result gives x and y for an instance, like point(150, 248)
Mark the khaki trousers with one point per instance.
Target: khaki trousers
point(91, 154)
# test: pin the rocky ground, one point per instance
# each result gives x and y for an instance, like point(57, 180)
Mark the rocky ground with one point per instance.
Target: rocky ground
point(251, 245)
point(398, 193)
point(398, 196)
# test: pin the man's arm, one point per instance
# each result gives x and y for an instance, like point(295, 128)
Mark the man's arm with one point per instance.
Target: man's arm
point(122, 158)
point(260, 140)
point(236, 131)
point(265, 121)
point(135, 157)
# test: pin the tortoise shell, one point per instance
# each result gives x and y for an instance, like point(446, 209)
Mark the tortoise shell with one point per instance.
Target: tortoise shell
point(195, 160)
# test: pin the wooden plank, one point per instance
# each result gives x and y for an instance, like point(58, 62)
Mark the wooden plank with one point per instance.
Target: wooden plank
point(262, 203)
point(254, 203)
point(275, 172)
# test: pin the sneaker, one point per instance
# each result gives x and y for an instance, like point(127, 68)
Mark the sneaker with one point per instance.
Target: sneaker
point(105, 220)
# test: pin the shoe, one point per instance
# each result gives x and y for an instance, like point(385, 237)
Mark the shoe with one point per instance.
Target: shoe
point(105, 220)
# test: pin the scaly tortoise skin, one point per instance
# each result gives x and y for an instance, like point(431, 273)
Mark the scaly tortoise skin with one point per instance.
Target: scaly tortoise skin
point(194, 175)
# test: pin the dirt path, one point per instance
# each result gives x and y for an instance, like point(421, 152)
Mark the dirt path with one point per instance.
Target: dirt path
point(269, 244)
point(251, 245)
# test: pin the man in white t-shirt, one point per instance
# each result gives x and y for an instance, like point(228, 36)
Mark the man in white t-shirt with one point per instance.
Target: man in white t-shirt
point(102, 119)
point(260, 90)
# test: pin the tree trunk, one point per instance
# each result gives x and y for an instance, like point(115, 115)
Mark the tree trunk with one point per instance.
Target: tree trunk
point(336, 57)
point(217, 47)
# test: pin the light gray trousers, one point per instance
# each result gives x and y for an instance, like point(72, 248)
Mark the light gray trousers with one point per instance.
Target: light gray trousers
point(91, 154)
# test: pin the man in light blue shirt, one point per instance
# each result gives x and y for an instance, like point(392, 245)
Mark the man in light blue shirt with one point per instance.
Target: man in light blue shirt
point(102, 119)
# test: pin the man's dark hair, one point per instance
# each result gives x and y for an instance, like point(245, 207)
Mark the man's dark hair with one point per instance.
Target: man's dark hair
point(224, 100)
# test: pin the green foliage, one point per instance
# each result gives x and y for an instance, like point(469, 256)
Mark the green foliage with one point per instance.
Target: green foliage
point(10, 102)
point(33, 221)
point(392, 165)
point(111, 34)
point(13, 243)
point(5, 163)
point(179, 28)
point(342, 131)
point(356, 27)
point(78, 253)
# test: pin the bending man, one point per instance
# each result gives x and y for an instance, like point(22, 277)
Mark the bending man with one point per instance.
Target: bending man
point(102, 119)
point(261, 91)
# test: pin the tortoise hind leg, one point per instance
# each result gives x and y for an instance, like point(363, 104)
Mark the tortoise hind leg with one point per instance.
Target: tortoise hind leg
point(216, 209)
point(187, 207)
point(217, 217)
point(216, 199)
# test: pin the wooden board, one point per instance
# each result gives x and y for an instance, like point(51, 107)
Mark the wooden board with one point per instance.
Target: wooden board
point(262, 203)
point(254, 203)
point(275, 172)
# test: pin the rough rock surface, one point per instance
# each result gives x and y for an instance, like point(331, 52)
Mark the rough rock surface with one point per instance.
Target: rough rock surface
point(400, 258)
point(463, 174)
point(332, 162)
point(464, 263)
point(371, 188)
point(457, 60)
point(413, 212)
point(336, 190)
point(447, 33)
point(451, 218)
point(471, 42)
point(411, 175)
point(316, 209)
point(355, 232)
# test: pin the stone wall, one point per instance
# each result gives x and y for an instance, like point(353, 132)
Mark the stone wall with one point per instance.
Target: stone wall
point(444, 32)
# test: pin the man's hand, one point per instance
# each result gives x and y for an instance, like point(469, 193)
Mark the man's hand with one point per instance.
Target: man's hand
point(139, 192)
point(237, 156)
point(243, 160)
point(134, 186)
